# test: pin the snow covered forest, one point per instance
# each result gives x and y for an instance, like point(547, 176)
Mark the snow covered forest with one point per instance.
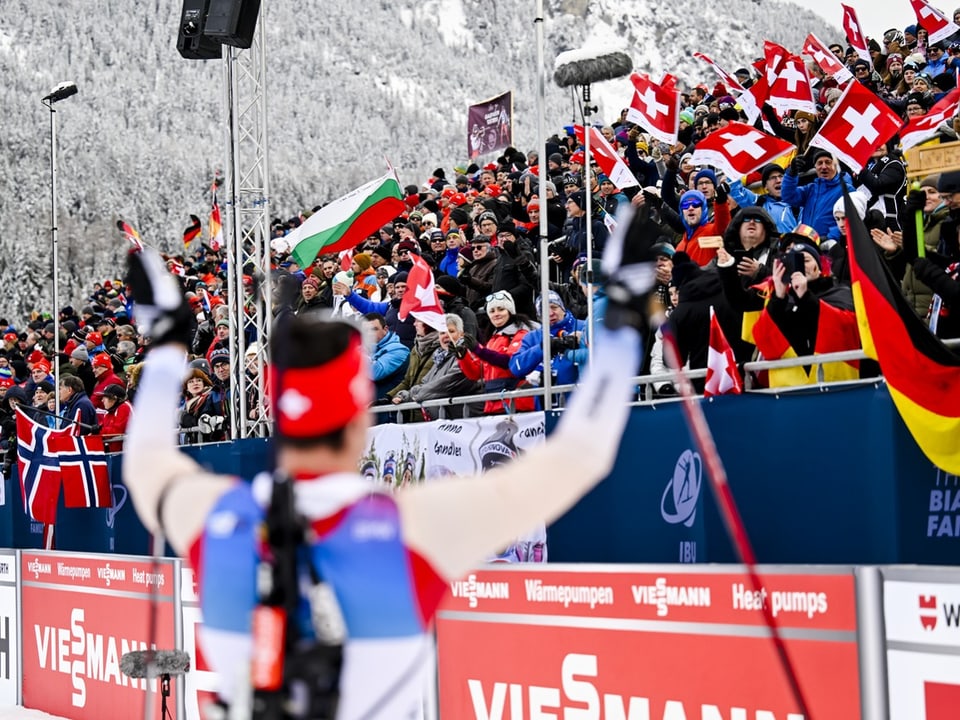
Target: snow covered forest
point(348, 83)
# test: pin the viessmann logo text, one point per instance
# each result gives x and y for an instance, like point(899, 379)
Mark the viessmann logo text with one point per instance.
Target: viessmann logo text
point(579, 697)
point(664, 596)
point(474, 590)
point(84, 656)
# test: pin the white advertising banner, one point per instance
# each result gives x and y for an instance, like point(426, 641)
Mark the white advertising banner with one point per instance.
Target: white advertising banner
point(922, 619)
point(9, 624)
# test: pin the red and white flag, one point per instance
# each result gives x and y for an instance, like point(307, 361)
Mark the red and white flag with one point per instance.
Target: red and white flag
point(669, 82)
point(774, 56)
point(215, 226)
point(607, 158)
point(753, 99)
point(855, 36)
point(655, 108)
point(933, 21)
point(828, 62)
point(925, 127)
point(859, 123)
point(739, 149)
point(420, 299)
point(726, 78)
point(791, 89)
point(723, 377)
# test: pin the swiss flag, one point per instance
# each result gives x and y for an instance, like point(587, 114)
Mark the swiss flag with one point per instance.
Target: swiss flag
point(753, 99)
point(791, 88)
point(828, 62)
point(420, 299)
point(607, 158)
point(723, 378)
point(859, 123)
point(739, 149)
point(855, 36)
point(669, 82)
point(925, 127)
point(934, 22)
point(774, 56)
point(655, 108)
point(726, 78)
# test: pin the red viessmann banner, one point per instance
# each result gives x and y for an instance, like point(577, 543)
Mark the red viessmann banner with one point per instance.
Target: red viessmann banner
point(538, 643)
point(80, 615)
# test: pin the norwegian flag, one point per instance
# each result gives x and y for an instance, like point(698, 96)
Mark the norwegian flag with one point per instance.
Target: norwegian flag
point(925, 127)
point(933, 21)
point(723, 378)
point(859, 123)
point(83, 471)
point(132, 236)
point(39, 468)
point(828, 62)
point(855, 36)
point(655, 108)
point(739, 149)
point(420, 299)
point(791, 89)
point(726, 78)
point(607, 158)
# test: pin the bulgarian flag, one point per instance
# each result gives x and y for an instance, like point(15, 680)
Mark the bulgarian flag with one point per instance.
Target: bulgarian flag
point(347, 221)
point(922, 374)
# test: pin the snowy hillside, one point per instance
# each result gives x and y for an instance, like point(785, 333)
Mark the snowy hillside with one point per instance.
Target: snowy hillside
point(348, 83)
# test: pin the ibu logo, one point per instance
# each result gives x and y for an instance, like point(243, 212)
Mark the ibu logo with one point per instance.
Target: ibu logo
point(678, 505)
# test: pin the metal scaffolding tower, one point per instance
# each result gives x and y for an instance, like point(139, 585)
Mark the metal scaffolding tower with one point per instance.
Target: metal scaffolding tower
point(247, 232)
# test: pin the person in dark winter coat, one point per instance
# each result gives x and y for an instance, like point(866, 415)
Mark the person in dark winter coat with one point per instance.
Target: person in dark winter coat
point(75, 406)
point(445, 379)
point(698, 290)
point(885, 177)
point(80, 360)
point(453, 298)
point(477, 275)
point(310, 301)
point(515, 272)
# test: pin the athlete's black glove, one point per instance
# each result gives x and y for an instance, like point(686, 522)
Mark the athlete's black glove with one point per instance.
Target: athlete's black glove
point(161, 311)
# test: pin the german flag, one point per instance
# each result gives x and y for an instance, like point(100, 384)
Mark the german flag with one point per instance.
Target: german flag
point(193, 231)
point(922, 374)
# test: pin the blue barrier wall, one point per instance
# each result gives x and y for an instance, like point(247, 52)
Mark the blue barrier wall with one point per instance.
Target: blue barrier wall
point(819, 478)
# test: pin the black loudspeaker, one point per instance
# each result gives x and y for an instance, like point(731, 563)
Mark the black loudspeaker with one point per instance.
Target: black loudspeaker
point(191, 42)
point(232, 22)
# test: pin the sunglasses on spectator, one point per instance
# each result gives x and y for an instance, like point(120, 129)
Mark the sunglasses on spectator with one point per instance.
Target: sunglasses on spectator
point(758, 221)
point(403, 252)
point(479, 245)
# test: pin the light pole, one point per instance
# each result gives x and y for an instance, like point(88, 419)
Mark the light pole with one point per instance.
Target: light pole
point(60, 92)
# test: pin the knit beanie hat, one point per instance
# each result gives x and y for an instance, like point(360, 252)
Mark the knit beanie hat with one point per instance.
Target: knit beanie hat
point(80, 353)
point(503, 299)
point(362, 260)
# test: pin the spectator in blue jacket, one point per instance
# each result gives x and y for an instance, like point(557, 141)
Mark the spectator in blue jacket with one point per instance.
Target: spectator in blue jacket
point(816, 199)
point(771, 201)
point(390, 310)
point(448, 263)
point(76, 406)
point(388, 358)
point(565, 331)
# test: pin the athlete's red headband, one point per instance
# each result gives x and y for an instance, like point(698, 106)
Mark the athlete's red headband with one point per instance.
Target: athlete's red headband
point(317, 400)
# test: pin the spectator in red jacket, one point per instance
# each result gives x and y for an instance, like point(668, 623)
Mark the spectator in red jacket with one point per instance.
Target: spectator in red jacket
point(103, 371)
point(114, 417)
point(491, 362)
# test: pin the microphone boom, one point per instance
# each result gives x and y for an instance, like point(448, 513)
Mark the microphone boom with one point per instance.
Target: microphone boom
point(584, 67)
point(154, 663)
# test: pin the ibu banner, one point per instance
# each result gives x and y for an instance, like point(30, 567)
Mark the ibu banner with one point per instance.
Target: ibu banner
point(490, 125)
point(9, 627)
point(921, 609)
point(80, 614)
point(400, 455)
point(645, 642)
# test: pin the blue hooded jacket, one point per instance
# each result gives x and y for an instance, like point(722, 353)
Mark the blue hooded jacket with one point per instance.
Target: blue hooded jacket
point(700, 199)
point(530, 355)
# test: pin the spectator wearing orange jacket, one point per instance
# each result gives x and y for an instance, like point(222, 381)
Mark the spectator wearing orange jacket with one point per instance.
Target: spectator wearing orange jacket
point(696, 223)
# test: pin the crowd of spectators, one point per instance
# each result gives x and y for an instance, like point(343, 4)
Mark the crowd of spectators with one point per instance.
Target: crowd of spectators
point(767, 252)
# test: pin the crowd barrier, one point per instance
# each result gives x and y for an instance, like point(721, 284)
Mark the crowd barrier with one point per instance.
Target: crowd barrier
point(823, 475)
point(534, 641)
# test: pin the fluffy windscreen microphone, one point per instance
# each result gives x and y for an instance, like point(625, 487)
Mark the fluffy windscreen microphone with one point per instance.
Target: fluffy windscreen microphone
point(140, 664)
point(590, 65)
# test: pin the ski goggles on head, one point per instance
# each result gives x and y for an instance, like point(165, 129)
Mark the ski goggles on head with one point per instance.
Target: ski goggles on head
point(499, 295)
